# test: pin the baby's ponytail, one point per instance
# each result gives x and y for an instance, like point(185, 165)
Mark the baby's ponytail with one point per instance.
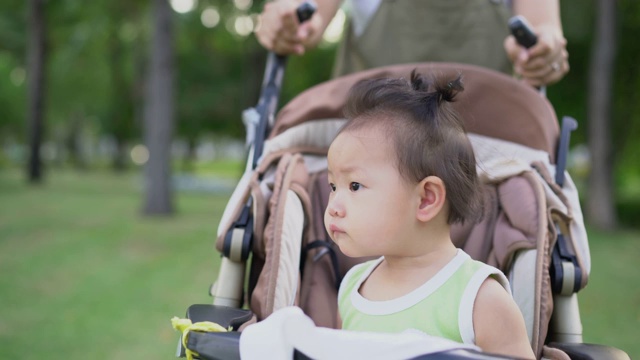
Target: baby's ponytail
point(441, 87)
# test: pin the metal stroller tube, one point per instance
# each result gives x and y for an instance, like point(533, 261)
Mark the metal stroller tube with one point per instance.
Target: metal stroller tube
point(565, 322)
point(271, 85)
point(228, 289)
point(566, 274)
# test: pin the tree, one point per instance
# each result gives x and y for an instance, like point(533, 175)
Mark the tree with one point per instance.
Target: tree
point(13, 40)
point(159, 113)
point(36, 59)
point(600, 206)
point(78, 78)
point(626, 113)
point(120, 117)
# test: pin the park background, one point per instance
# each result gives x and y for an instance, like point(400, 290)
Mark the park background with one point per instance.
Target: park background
point(93, 266)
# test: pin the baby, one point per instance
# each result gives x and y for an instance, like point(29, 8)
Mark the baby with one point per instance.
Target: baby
point(401, 171)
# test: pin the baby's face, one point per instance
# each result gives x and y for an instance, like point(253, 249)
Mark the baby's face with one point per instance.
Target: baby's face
point(370, 205)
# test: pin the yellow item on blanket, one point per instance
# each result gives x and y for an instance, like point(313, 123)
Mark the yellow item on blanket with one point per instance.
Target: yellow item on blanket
point(185, 326)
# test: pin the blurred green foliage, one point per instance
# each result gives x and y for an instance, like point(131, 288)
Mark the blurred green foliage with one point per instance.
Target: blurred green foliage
point(570, 96)
point(98, 52)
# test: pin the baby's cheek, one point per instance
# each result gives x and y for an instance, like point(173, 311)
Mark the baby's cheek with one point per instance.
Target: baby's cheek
point(326, 220)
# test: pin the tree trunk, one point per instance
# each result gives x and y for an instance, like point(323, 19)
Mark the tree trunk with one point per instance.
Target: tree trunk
point(120, 118)
point(119, 161)
point(74, 140)
point(190, 155)
point(159, 113)
point(601, 204)
point(36, 55)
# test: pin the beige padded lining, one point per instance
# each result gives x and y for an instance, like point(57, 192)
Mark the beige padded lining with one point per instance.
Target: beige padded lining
point(523, 281)
point(237, 199)
point(292, 227)
point(314, 134)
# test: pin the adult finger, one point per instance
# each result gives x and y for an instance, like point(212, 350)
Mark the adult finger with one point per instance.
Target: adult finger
point(554, 67)
point(560, 69)
point(551, 74)
point(284, 46)
point(512, 48)
point(547, 60)
point(277, 28)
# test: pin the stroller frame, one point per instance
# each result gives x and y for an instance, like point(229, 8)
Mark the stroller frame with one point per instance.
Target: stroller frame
point(561, 258)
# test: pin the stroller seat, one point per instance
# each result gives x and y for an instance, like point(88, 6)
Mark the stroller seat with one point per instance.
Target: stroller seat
point(532, 227)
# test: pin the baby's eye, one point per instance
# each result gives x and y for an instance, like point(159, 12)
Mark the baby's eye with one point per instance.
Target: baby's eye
point(354, 186)
point(332, 186)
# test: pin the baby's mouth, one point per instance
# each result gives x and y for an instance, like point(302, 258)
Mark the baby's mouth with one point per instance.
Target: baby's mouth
point(335, 229)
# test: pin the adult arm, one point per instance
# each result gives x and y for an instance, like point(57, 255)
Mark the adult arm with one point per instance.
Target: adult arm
point(546, 62)
point(279, 31)
point(498, 324)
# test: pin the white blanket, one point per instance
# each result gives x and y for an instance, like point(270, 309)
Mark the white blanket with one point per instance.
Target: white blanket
point(289, 328)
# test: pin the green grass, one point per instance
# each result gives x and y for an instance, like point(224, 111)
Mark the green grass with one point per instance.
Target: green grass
point(84, 275)
point(610, 304)
point(222, 168)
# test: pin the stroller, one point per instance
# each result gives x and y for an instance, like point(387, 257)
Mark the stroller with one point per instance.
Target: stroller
point(532, 227)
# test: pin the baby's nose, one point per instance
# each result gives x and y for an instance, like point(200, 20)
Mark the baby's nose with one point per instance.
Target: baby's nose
point(335, 209)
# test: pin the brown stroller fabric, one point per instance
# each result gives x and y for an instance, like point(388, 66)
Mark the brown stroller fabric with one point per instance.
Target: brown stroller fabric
point(289, 191)
point(510, 225)
point(278, 260)
point(492, 104)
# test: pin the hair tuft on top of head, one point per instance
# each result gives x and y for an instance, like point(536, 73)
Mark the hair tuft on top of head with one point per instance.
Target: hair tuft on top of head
point(418, 82)
point(446, 90)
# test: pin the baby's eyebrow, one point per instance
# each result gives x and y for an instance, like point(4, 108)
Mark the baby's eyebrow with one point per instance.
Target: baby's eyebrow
point(347, 170)
point(343, 166)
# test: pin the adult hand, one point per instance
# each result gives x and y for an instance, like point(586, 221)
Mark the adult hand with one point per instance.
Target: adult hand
point(279, 30)
point(544, 63)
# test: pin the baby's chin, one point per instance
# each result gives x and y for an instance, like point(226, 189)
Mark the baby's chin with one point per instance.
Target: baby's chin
point(349, 251)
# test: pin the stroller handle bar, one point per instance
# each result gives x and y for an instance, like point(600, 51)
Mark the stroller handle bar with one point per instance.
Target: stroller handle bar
point(271, 84)
point(238, 240)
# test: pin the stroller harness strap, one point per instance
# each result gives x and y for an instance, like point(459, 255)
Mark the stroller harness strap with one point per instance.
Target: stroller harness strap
point(327, 248)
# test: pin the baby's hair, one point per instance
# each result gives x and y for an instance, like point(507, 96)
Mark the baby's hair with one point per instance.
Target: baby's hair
point(428, 135)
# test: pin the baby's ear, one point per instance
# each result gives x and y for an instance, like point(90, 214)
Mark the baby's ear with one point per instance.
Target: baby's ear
point(432, 198)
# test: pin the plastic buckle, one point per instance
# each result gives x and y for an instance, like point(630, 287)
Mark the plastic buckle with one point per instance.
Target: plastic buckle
point(565, 273)
point(238, 240)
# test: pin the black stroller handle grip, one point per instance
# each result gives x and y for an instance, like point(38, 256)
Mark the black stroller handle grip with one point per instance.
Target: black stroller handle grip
point(271, 84)
point(521, 30)
point(305, 11)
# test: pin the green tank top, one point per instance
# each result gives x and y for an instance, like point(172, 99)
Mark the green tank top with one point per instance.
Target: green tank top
point(442, 306)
